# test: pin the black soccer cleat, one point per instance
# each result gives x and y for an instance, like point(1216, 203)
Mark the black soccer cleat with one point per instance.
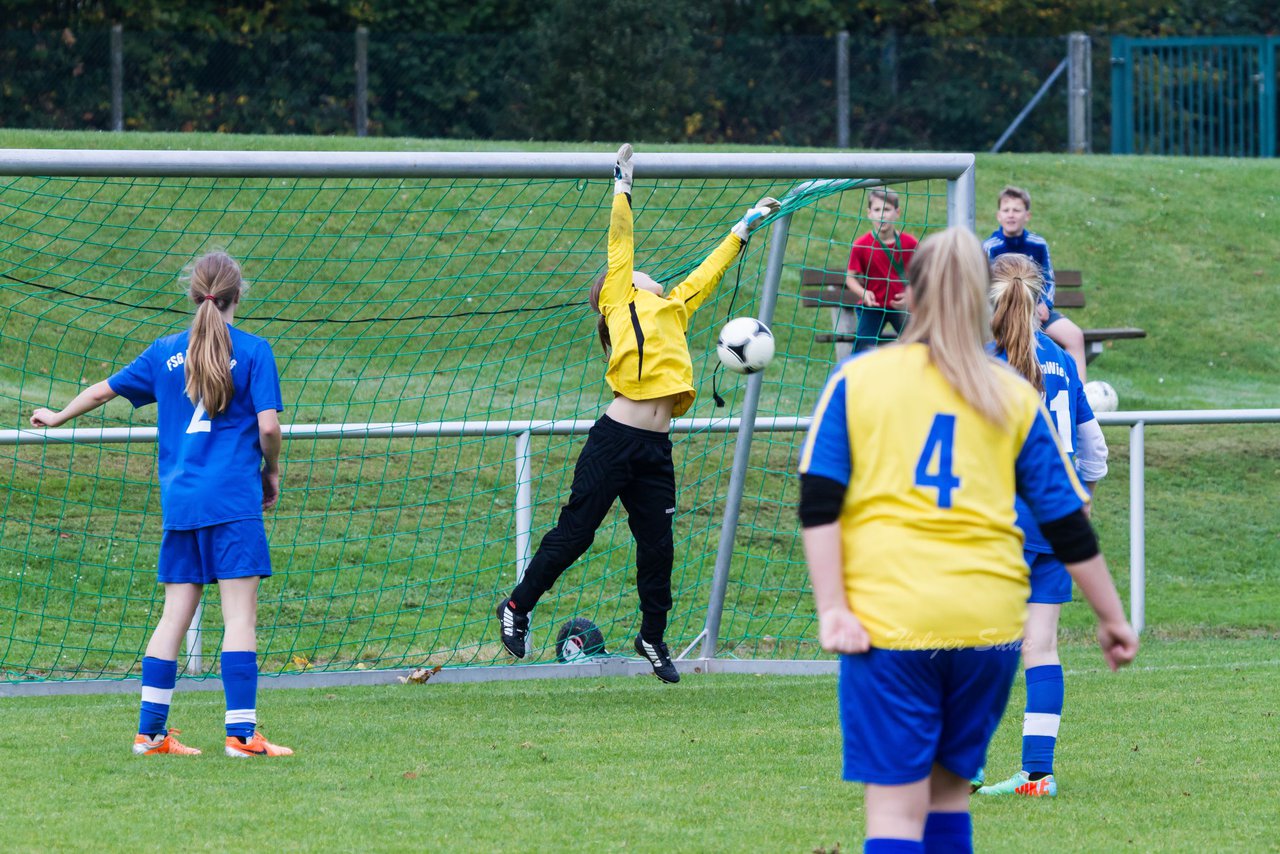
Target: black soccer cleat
point(658, 655)
point(514, 627)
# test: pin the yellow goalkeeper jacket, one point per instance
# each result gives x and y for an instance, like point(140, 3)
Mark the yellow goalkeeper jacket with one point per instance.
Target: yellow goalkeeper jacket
point(649, 354)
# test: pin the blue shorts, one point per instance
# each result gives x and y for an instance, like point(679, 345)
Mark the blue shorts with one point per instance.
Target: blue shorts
point(1050, 581)
point(205, 555)
point(902, 711)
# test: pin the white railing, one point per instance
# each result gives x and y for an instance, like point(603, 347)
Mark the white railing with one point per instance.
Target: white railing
point(524, 430)
point(1136, 422)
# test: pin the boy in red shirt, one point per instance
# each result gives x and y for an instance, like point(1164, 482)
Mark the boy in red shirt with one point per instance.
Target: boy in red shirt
point(877, 275)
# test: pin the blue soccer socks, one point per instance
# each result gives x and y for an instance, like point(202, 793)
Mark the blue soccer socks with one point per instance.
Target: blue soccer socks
point(158, 678)
point(1044, 713)
point(948, 833)
point(884, 845)
point(240, 684)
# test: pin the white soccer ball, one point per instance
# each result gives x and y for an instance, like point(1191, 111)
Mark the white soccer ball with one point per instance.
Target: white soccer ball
point(745, 345)
point(1102, 397)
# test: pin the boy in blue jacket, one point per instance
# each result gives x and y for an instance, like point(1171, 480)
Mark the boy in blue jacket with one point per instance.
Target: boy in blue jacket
point(1013, 213)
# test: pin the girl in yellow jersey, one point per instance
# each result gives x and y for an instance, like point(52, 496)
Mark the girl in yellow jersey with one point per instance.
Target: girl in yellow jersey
point(908, 477)
point(628, 452)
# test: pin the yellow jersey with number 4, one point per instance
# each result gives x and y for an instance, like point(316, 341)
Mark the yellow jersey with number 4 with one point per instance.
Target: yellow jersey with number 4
point(932, 557)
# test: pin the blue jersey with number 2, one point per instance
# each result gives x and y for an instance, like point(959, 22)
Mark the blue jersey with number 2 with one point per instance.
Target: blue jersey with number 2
point(210, 469)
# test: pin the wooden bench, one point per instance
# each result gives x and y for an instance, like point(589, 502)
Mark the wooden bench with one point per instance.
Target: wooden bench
point(825, 289)
point(1069, 293)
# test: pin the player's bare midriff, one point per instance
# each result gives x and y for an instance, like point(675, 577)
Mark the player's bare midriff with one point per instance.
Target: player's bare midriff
point(652, 414)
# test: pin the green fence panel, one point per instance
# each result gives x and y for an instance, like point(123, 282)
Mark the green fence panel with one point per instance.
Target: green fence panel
point(1194, 96)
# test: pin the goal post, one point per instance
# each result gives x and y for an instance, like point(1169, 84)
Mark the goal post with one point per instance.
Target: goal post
point(439, 370)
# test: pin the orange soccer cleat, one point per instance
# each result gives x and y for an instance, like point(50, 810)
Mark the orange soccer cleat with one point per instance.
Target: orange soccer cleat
point(143, 746)
point(256, 746)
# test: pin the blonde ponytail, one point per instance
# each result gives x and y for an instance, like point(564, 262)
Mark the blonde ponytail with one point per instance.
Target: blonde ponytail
point(215, 284)
point(951, 316)
point(1016, 284)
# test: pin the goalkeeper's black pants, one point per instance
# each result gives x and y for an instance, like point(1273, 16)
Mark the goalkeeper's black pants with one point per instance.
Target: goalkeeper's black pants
point(617, 462)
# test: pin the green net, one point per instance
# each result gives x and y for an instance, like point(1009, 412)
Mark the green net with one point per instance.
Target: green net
point(455, 304)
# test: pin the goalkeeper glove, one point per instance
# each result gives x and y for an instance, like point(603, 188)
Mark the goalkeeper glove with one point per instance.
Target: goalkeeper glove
point(751, 220)
point(623, 170)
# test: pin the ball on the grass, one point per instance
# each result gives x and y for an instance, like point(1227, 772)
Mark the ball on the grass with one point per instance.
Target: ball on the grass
point(578, 640)
point(1102, 397)
point(745, 345)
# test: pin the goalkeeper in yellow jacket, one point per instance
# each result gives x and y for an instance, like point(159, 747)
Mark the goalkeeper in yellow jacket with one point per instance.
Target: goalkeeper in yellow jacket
point(628, 451)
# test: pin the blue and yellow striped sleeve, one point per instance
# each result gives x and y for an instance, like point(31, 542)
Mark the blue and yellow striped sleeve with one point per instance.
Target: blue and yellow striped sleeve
point(826, 451)
point(1046, 479)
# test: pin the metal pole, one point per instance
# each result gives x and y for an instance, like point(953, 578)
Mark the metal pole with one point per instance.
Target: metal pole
point(362, 81)
point(91, 163)
point(117, 77)
point(524, 504)
point(577, 427)
point(408, 430)
point(842, 89)
point(962, 201)
point(1137, 529)
point(1031, 105)
point(524, 514)
point(195, 642)
point(742, 451)
point(1121, 100)
point(1267, 101)
point(1079, 101)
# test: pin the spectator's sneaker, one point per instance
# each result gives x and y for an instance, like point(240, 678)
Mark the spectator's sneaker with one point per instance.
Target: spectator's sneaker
point(978, 779)
point(515, 628)
point(256, 746)
point(658, 656)
point(143, 746)
point(1022, 784)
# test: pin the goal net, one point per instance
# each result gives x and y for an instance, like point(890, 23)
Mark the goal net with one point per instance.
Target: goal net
point(439, 367)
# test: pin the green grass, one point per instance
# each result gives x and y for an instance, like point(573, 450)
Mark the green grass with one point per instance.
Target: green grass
point(388, 565)
point(1170, 755)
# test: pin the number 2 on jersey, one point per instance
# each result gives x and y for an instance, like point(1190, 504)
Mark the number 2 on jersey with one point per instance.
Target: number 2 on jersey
point(199, 424)
point(939, 445)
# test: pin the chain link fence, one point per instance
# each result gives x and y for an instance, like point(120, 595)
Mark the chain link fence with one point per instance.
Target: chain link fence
point(903, 93)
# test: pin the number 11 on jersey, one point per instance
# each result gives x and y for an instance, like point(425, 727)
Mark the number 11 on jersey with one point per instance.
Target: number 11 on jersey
point(937, 473)
point(1060, 406)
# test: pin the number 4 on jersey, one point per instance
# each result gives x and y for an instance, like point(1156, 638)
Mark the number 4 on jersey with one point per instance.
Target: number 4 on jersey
point(199, 424)
point(939, 444)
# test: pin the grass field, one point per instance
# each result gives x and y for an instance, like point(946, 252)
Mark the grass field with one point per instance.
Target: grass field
point(1176, 754)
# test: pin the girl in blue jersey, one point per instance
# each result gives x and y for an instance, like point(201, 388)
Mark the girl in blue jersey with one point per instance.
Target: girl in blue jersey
point(1016, 286)
point(217, 394)
point(628, 451)
point(907, 484)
